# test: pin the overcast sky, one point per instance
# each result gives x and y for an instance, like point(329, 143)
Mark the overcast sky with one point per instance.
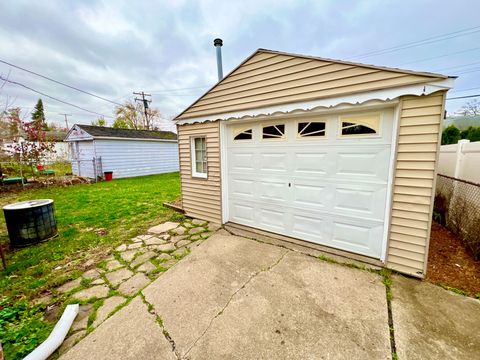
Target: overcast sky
point(112, 48)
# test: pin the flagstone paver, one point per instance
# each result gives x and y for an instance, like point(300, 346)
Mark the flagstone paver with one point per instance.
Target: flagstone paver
point(113, 264)
point(69, 286)
point(96, 291)
point(135, 283)
point(122, 247)
point(196, 230)
point(147, 267)
point(142, 258)
point(162, 228)
point(128, 255)
point(155, 241)
point(117, 277)
point(91, 274)
point(183, 243)
point(166, 247)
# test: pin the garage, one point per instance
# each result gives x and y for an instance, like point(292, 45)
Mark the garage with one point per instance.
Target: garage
point(330, 154)
point(313, 179)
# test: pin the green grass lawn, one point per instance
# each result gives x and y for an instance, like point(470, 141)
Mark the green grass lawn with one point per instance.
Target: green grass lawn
point(91, 220)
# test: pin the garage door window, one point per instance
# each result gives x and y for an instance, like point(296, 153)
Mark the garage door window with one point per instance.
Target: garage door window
point(311, 129)
point(364, 125)
point(243, 135)
point(274, 132)
point(199, 157)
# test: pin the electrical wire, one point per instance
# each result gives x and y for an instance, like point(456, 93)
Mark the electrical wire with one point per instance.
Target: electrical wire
point(440, 56)
point(52, 97)
point(59, 82)
point(463, 97)
point(425, 41)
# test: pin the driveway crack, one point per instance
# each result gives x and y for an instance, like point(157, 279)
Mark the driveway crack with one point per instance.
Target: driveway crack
point(160, 322)
point(250, 278)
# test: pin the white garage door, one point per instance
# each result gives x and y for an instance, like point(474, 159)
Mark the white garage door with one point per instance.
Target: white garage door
point(320, 179)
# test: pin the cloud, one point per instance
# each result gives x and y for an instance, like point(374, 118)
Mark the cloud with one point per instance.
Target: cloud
point(115, 48)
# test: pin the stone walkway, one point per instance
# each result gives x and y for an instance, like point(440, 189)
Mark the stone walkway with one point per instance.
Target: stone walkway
point(104, 290)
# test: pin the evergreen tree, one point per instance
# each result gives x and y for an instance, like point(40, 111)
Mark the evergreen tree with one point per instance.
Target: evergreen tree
point(38, 116)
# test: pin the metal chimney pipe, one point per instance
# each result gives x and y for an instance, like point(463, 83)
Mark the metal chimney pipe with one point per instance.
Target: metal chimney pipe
point(218, 45)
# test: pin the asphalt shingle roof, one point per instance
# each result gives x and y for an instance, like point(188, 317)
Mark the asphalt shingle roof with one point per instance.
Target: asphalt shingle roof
point(101, 131)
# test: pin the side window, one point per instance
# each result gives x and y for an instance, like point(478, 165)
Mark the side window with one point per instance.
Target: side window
point(199, 156)
point(243, 135)
point(311, 129)
point(360, 125)
point(273, 132)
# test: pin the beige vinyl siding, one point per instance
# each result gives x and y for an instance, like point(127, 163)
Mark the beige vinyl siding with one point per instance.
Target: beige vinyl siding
point(268, 79)
point(201, 197)
point(420, 121)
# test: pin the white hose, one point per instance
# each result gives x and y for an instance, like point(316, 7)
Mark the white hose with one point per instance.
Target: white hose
point(56, 337)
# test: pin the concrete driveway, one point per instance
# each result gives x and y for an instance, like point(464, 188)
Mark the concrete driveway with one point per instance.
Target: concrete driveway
point(234, 297)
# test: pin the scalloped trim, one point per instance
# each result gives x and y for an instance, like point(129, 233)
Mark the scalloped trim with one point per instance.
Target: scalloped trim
point(383, 96)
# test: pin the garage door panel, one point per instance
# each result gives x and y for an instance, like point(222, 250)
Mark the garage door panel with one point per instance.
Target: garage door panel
point(242, 187)
point(243, 213)
point(363, 164)
point(273, 161)
point(310, 163)
point(356, 238)
point(310, 228)
point(272, 190)
point(309, 194)
point(272, 219)
point(355, 201)
point(242, 161)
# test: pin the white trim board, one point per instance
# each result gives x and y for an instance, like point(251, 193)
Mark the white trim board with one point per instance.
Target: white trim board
point(365, 98)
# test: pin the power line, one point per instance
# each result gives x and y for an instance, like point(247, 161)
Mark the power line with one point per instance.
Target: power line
point(59, 82)
point(51, 97)
point(458, 66)
point(425, 41)
point(463, 97)
point(440, 56)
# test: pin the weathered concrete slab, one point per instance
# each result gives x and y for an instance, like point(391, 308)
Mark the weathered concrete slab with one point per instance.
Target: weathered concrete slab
point(432, 323)
point(263, 301)
point(131, 333)
point(97, 291)
point(302, 308)
point(108, 306)
point(212, 273)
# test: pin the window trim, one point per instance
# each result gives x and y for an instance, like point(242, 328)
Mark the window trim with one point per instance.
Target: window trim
point(193, 157)
point(275, 138)
point(238, 131)
point(351, 118)
point(311, 138)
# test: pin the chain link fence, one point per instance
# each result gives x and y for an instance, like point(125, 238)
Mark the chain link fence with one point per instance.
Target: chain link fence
point(457, 206)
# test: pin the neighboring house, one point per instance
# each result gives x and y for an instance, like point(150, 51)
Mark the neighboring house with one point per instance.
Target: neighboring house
point(60, 149)
point(331, 152)
point(126, 152)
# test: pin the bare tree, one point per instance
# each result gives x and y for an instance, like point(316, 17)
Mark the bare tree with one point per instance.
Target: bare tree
point(131, 116)
point(471, 108)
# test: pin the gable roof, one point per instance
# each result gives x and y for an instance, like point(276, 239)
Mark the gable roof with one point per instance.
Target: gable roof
point(109, 132)
point(270, 77)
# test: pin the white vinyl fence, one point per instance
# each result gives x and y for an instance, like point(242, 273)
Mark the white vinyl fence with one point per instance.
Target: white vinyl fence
point(461, 161)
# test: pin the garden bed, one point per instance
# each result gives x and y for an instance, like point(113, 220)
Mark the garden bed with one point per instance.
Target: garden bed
point(450, 264)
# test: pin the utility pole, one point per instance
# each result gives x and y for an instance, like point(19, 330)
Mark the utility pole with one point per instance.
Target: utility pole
point(145, 106)
point(66, 120)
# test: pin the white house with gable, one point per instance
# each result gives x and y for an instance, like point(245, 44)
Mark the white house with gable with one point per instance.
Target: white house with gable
point(125, 152)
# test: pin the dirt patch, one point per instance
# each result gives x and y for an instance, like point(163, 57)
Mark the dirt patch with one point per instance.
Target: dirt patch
point(45, 181)
point(450, 264)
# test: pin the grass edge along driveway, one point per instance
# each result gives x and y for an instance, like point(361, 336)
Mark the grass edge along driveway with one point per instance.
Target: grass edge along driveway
point(92, 219)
